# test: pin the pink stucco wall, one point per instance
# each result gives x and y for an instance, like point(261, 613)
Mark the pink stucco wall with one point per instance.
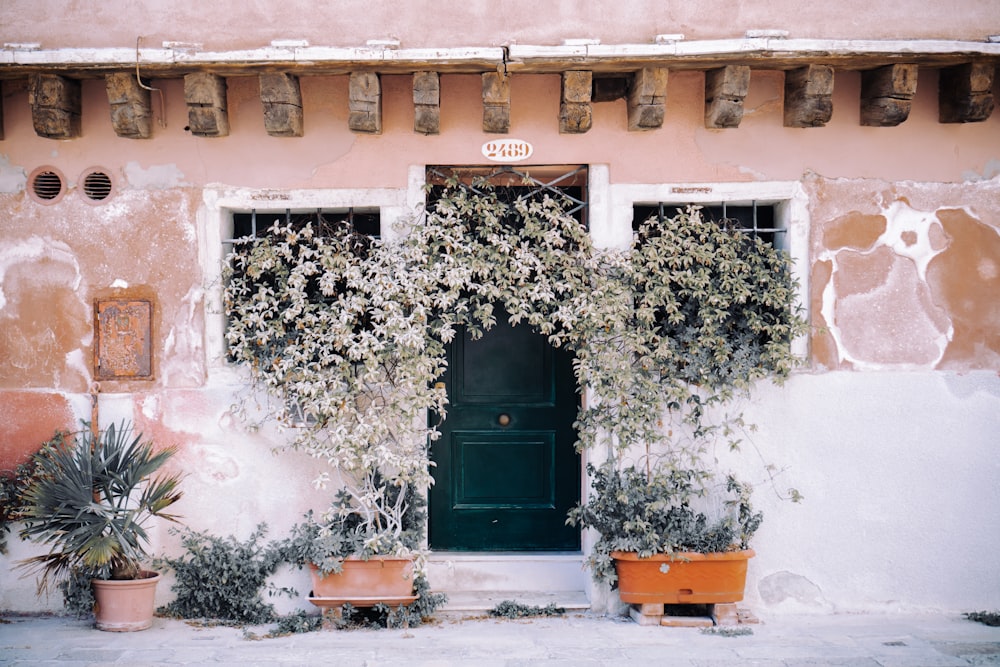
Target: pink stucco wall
point(901, 230)
point(479, 22)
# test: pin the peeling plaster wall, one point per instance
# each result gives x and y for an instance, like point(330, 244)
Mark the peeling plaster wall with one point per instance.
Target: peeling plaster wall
point(889, 430)
point(905, 275)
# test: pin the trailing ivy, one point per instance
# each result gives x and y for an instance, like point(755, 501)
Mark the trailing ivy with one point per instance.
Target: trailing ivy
point(513, 609)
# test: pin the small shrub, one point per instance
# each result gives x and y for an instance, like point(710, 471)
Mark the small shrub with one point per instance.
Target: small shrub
point(296, 623)
point(991, 618)
point(514, 609)
point(222, 578)
point(728, 630)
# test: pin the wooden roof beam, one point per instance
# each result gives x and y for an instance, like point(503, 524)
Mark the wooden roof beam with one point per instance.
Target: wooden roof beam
point(965, 93)
point(365, 103)
point(725, 89)
point(131, 113)
point(647, 99)
point(281, 97)
point(887, 94)
point(576, 115)
point(496, 103)
point(808, 96)
point(426, 102)
point(205, 96)
point(55, 106)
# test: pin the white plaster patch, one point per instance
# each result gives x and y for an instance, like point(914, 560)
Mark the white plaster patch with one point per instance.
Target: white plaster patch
point(987, 268)
point(119, 284)
point(903, 225)
point(12, 178)
point(34, 249)
point(151, 407)
point(156, 177)
point(183, 344)
point(75, 360)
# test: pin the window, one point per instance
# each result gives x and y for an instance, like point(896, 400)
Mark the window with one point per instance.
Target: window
point(363, 221)
point(567, 183)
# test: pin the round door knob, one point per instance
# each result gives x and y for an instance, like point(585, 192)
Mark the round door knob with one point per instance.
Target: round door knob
point(503, 419)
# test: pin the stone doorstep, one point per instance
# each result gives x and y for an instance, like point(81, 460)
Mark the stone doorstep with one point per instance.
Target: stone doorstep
point(718, 614)
point(449, 572)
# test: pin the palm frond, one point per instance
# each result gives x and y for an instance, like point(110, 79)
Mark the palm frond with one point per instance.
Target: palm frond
point(91, 501)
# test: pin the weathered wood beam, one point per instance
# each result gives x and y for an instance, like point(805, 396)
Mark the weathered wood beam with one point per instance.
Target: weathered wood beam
point(575, 112)
point(808, 96)
point(647, 98)
point(131, 113)
point(887, 94)
point(55, 106)
point(281, 98)
point(965, 93)
point(205, 96)
point(364, 100)
point(725, 89)
point(426, 102)
point(496, 103)
point(1, 111)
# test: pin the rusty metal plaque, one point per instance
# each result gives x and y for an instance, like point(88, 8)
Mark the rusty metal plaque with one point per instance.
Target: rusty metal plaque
point(123, 332)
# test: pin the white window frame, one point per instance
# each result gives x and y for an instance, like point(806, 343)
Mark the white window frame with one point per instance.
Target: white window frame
point(215, 219)
point(791, 213)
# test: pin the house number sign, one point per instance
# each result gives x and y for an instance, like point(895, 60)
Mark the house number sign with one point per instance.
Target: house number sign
point(507, 150)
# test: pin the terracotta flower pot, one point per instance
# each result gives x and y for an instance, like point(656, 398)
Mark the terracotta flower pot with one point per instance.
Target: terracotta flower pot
point(125, 605)
point(684, 578)
point(373, 579)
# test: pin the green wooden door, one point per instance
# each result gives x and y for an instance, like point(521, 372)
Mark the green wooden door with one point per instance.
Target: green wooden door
point(506, 469)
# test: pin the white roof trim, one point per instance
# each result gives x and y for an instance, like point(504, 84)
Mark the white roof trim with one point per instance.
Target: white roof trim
point(33, 55)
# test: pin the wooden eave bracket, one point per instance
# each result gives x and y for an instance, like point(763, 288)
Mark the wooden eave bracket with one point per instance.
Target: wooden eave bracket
point(575, 112)
point(426, 102)
point(965, 93)
point(131, 113)
point(808, 96)
point(725, 89)
point(281, 97)
point(887, 94)
point(365, 103)
point(205, 96)
point(647, 99)
point(496, 103)
point(55, 106)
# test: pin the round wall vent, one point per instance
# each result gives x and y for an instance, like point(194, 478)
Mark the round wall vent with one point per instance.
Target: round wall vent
point(46, 185)
point(96, 185)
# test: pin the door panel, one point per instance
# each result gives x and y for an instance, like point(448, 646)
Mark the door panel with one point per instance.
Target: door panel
point(506, 471)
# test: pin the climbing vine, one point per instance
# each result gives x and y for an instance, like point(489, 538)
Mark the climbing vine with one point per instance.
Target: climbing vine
point(350, 333)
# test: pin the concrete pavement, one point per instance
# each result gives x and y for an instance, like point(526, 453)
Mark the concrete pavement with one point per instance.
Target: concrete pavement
point(575, 639)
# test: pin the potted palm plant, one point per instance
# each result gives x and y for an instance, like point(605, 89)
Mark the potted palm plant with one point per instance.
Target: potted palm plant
point(90, 504)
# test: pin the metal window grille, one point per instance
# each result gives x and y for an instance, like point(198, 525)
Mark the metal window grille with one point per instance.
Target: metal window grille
point(567, 183)
point(756, 218)
point(364, 222)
